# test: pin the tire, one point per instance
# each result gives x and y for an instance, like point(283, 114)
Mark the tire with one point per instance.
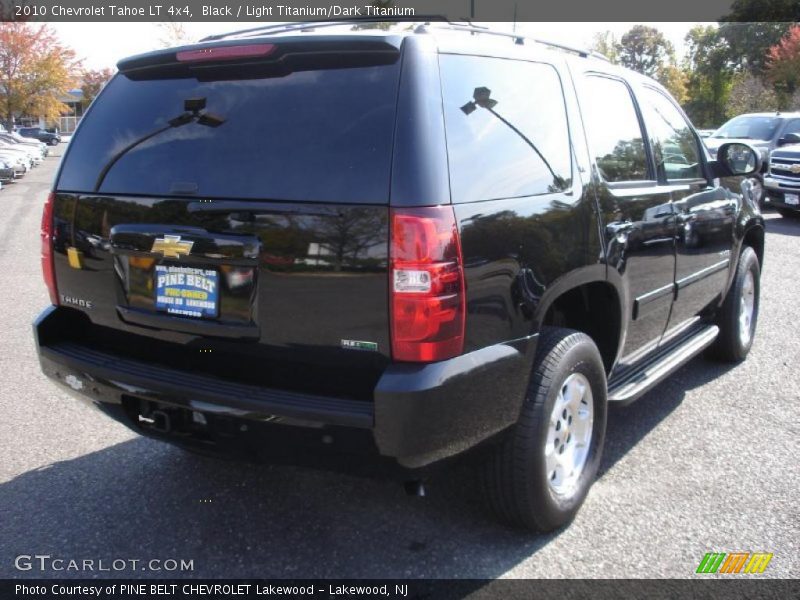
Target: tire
point(54, 142)
point(736, 329)
point(521, 487)
point(788, 214)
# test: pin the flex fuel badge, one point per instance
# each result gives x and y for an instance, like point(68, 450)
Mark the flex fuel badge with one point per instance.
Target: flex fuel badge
point(357, 345)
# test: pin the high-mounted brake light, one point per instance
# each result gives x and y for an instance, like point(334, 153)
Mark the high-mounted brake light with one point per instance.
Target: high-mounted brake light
point(48, 268)
point(225, 52)
point(427, 285)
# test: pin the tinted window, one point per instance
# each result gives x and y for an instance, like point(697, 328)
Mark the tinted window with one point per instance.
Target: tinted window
point(749, 128)
point(615, 135)
point(674, 146)
point(506, 125)
point(792, 127)
point(320, 135)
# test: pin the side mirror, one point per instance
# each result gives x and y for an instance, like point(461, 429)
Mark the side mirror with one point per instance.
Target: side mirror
point(734, 159)
point(789, 138)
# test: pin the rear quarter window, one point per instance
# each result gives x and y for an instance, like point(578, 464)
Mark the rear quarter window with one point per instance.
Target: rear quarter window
point(506, 126)
point(320, 135)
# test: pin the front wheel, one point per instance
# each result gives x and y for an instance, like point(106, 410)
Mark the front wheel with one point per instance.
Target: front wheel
point(739, 313)
point(541, 473)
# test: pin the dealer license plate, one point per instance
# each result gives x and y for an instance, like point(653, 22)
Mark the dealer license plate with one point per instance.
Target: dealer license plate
point(187, 291)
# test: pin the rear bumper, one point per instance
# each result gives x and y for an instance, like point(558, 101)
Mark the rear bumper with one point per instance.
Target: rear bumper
point(420, 414)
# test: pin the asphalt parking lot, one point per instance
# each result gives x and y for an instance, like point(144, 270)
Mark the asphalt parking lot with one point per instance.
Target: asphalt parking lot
point(706, 462)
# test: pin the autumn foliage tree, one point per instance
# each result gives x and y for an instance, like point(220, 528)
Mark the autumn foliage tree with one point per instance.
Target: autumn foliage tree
point(783, 63)
point(35, 70)
point(92, 81)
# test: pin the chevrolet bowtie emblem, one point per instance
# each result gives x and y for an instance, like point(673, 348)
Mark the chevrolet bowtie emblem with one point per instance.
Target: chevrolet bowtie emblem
point(795, 168)
point(171, 246)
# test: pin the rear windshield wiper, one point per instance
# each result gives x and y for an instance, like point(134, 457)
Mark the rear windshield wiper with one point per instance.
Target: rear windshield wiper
point(193, 108)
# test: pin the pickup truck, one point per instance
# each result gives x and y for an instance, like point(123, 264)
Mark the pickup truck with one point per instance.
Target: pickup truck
point(382, 250)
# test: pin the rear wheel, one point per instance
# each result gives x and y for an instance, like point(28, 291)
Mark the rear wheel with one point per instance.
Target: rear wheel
point(739, 313)
point(541, 473)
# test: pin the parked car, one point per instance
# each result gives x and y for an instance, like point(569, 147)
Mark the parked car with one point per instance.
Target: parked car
point(6, 171)
point(428, 257)
point(782, 180)
point(16, 161)
point(43, 148)
point(38, 148)
point(22, 154)
point(51, 139)
point(764, 131)
point(704, 133)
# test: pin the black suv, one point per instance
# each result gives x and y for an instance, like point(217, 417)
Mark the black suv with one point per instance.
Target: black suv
point(386, 249)
point(51, 138)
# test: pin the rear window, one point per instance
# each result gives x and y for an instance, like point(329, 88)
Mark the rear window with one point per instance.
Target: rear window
point(506, 127)
point(319, 135)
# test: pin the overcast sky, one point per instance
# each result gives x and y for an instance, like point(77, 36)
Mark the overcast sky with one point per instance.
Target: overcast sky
point(103, 44)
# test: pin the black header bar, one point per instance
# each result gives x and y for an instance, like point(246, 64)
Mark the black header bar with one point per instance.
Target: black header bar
point(476, 10)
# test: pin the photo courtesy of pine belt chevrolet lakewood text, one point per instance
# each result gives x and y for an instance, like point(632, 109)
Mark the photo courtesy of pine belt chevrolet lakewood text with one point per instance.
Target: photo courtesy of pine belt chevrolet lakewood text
point(379, 251)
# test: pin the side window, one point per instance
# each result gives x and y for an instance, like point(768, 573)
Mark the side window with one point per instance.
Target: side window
point(793, 127)
point(674, 145)
point(506, 126)
point(615, 135)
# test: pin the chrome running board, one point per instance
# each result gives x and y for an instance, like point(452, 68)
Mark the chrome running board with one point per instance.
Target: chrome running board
point(632, 384)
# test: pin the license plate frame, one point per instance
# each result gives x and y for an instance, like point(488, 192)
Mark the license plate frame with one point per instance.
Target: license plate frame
point(183, 291)
point(792, 199)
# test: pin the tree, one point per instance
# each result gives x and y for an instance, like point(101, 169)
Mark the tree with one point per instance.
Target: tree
point(605, 42)
point(748, 43)
point(92, 82)
point(754, 26)
point(674, 79)
point(645, 49)
point(172, 34)
point(749, 94)
point(709, 75)
point(783, 63)
point(794, 101)
point(35, 71)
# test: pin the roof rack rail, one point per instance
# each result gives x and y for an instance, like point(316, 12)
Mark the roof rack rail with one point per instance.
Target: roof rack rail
point(584, 52)
point(476, 29)
point(303, 25)
point(520, 39)
point(442, 22)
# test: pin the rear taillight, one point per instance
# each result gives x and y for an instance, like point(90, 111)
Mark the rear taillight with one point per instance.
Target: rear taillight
point(427, 285)
point(48, 268)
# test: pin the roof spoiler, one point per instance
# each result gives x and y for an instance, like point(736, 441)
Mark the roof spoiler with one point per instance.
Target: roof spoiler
point(240, 58)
